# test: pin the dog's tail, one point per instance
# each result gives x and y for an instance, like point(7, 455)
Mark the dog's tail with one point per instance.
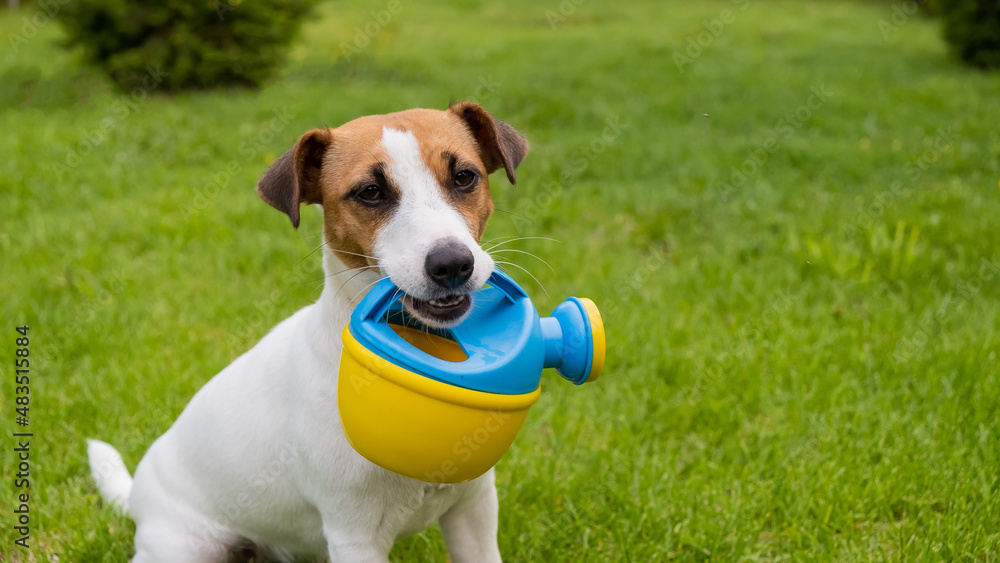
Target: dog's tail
point(110, 473)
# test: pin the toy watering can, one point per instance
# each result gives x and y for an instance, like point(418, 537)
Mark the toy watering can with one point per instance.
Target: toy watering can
point(444, 405)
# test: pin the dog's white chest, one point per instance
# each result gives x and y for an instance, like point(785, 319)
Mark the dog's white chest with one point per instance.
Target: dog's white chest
point(421, 507)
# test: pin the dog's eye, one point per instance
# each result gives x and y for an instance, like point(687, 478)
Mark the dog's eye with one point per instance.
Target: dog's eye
point(465, 180)
point(370, 194)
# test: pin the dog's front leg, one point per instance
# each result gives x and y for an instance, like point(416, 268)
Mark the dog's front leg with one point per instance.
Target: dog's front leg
point(470, 527)
point(350, 544)
point(355, 551)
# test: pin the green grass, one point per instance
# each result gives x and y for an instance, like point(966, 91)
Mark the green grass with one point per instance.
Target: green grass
point(803, 367)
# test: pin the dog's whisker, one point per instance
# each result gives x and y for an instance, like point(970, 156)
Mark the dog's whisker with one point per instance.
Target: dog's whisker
point(365, 287)
point(507, 238)
point(520, 238)
point(353, 253)
point(339, 289)
point(351, 270)
point(327, 244)
point(518, 215)
point(529, 273)
point(356, 254)
point(347, 282)
point(402, 313)
point(524, 252)
point(502, 239)
point(492, 239)
point(360, 291)
point(320, 286)
point(311, 252)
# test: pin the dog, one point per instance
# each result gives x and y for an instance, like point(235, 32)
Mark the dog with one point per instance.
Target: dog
point(257, 464)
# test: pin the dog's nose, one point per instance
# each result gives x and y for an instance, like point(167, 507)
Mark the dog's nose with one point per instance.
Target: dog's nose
point(449, 263)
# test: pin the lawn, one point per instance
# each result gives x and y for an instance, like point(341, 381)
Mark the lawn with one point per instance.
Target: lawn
point(791, 229)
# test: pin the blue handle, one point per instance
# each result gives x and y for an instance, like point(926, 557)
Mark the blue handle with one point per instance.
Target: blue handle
point(386, 293)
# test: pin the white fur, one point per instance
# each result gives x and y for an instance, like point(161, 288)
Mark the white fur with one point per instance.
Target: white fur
point(110, 473)
point(259, 452)
point(424, 217)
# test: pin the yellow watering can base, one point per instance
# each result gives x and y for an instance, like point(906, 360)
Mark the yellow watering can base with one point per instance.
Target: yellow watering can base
point(420, 427)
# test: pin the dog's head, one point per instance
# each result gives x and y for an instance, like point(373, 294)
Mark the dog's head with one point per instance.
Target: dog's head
point(407, 194)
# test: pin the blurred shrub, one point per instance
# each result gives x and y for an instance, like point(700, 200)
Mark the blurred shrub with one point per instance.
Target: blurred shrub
point(972, 28)
point(182, 44)
point(922, 7)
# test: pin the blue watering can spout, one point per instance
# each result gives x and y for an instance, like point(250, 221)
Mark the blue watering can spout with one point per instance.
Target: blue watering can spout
point(574, 340)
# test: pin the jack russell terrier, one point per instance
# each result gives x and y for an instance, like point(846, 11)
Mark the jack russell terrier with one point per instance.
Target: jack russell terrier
point(257, 465)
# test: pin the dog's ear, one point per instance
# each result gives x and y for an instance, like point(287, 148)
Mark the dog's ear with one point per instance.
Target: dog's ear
point(501, 145)
point(293, 179)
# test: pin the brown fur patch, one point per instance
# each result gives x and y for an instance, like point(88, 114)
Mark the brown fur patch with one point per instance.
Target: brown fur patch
point(357, 148)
